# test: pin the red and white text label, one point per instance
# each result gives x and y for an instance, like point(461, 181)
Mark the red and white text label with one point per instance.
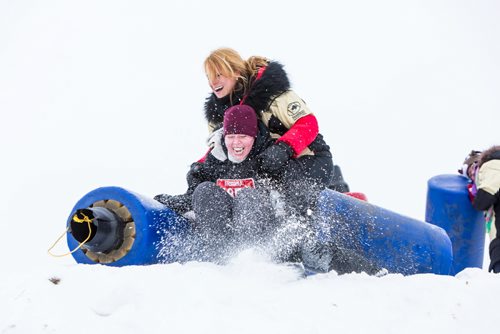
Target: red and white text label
point(233, 186)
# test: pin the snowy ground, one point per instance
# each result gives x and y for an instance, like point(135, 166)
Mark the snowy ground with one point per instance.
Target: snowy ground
point(97, 93)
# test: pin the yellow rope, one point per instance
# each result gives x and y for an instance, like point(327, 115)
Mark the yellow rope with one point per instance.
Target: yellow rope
point(85, 219)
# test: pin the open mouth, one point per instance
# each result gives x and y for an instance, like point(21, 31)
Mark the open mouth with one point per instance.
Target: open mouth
point(238, 150)
point(218, 88)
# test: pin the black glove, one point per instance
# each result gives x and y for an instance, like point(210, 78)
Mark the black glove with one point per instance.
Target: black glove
point(275, 157)
point(179, 203)
point(197, 174)
point(162, 198)
point(196, 167)
point(197, 170)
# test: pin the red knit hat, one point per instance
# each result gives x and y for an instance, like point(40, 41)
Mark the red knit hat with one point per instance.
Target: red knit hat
point(240, 120)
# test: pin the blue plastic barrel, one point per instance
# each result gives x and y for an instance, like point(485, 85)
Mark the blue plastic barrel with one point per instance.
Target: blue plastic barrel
point(155, 234)
point(448, 206)
point(396, 242)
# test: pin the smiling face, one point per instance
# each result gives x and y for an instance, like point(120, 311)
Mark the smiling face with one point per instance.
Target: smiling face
point(222, 85)
point(238, 146)
point(226, 72)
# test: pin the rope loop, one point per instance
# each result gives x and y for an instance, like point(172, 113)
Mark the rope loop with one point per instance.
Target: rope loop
point(76, 219)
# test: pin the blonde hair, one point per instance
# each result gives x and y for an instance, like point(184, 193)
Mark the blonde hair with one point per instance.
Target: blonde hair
point(229, 63)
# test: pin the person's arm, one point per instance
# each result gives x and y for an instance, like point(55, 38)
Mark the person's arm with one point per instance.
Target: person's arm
point(183, 203)
point(302, 126)
point(483, 200)
point(296, 116)
point(488, 184)
point(301, 134)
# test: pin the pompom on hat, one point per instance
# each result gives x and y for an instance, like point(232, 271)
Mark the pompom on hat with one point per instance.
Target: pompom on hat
point(240, 120)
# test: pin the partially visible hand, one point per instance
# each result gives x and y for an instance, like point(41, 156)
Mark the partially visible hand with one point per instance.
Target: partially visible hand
point(178, 203)
point(196, 174)
point(163, 198)
point(197, 169)
point(275, 157)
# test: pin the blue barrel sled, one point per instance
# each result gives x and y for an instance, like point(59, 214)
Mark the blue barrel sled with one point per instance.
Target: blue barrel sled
point(393, 241)
point(449, 207)
point(152, 233)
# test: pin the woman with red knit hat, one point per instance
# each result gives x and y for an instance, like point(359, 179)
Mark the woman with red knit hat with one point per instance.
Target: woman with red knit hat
point(228, 193)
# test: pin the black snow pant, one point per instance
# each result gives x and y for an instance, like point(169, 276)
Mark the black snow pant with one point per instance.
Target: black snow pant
point(225, 224)
point(495, 253)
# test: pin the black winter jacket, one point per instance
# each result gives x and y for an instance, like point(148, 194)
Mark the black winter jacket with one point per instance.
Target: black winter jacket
point(488, 192)
point(263, 91)
point(488, 195)
point(213, 168)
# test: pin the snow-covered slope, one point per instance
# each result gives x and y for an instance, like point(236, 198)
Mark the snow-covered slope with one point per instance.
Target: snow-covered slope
point(96, 93)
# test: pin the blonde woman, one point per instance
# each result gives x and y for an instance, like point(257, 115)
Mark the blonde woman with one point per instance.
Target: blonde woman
point(263, 85)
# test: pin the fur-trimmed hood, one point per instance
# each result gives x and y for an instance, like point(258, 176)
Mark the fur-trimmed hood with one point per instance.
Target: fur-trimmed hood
point(493, 153)
point(274, 81)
